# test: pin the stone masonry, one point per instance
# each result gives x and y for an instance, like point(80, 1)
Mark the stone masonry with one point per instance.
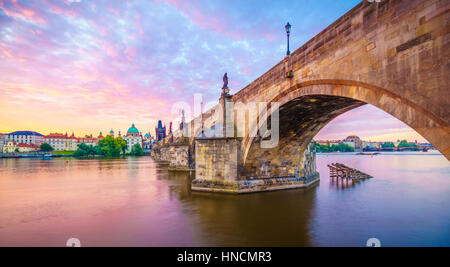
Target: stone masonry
point(218, 169)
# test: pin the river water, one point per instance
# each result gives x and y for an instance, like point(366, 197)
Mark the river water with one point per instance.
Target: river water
point(137, 202)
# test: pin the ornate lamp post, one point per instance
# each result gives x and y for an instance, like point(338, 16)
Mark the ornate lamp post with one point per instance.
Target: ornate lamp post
point(288, 32)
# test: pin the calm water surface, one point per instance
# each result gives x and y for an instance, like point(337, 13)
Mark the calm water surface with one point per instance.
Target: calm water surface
point(137, 202)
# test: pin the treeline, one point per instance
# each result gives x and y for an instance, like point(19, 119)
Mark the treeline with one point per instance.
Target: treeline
point(403, 144)
point(108, 147)
point(341, 147)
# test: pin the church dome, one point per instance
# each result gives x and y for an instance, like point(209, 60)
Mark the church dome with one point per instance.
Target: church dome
point(133, 129)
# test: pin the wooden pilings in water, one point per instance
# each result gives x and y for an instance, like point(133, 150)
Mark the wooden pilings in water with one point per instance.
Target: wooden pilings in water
point(342, 171)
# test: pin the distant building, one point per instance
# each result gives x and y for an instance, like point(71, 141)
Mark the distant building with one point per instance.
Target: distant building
point(132, 137)
point(322, 142)
point(370, 145)
point(88, 140)
point(9, 147)
point(183, 120)
point(147, 141)
point(25, 137)
point(2, 141)
point(71, 143)
point(133, 131)
point(64, 142)
point(22, 147)
point(56, 140)
point(160, 131)
point(426, 145)
point(353, 141)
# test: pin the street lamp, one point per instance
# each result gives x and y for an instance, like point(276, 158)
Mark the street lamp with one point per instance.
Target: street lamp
point(288, 32)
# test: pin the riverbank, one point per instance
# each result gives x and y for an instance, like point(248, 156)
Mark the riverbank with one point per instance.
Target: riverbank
point(29, 155)
point(47, 155)
point(63, 153)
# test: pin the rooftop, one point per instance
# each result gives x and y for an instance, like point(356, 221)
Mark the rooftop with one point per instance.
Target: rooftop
point(133, 129)
point(26, 133)
point(27, 145)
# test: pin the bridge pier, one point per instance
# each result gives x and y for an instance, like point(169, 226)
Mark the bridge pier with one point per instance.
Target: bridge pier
point(160, 154)
point(219, 168)
point(177, 155)
point(180, 158)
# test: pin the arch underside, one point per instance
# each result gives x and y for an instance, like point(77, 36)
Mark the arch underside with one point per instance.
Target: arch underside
point(300, 120)
point(306, 109)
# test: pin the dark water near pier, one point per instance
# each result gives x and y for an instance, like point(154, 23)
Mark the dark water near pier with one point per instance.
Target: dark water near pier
point(136, 202)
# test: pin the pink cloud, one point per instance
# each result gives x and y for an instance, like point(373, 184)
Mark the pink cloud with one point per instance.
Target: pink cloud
point(114, 11)
point(20, 12)
point(66, 9)
point(130, 53)
point(100, 28)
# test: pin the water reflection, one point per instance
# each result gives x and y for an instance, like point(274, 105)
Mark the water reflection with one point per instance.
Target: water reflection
point(138, 202)
point(269, 219)
point(342, 184)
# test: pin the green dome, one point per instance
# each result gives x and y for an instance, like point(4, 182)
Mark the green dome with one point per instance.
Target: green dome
point(133, 129)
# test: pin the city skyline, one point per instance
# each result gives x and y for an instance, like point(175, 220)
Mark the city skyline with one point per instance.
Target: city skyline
point(337, 132)
point(86, 67)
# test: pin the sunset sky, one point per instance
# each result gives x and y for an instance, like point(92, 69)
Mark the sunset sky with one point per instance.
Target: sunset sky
point(88, 66)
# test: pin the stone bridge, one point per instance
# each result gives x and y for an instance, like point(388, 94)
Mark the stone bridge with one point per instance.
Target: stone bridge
point(393, 55)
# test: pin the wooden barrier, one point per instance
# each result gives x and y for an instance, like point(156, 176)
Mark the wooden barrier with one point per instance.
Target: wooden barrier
point(339, 170)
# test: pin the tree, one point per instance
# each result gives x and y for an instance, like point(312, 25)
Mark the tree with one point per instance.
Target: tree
point(344, 148)
point(107, 146)
point(334, 148)
point(136, 150)
point(46, 147)
point(387, 144)
point(85, 150)
point(110, 146)
point(405, 143)
point(408, 146)
point(98, 150)
point(121, 143)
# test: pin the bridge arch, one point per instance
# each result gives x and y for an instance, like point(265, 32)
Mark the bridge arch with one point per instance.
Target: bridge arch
point(306, 107)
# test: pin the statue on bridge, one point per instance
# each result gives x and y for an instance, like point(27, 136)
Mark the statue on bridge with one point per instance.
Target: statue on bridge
point(225, 89)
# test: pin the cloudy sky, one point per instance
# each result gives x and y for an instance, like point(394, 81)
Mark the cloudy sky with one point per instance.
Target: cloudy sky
point(88, 66)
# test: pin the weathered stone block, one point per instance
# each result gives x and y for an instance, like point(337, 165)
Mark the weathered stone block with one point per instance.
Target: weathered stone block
point(219, 169)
